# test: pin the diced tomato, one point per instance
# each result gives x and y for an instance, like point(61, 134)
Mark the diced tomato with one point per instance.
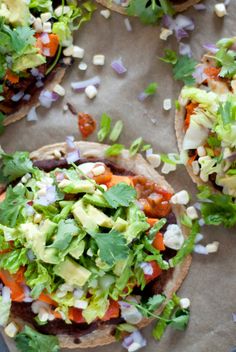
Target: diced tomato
point(47, 299)
point(118, 179)
point(212, 72)
point(75, 314)
point(152, 210)
point(104, 178)
point(86, 123)
point(166, 194)
point(158, 242)
point(12, 77)
point(48, 49)
point(19, 276)
point(17, 290)
point(189, 112)
point(151, 221)
point(156, 272)
point(113, 310)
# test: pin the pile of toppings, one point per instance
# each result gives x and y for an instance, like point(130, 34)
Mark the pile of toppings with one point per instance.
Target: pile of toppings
point(81, 244)
point(33, 35)
point(210, 120)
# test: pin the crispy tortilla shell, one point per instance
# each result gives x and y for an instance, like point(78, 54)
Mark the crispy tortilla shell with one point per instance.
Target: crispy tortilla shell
point(179, 6)
point(104, 334)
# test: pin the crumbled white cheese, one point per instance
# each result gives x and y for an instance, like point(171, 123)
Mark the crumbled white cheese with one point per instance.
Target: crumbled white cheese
point(105, 13)
point(166, 168)
point(220, 9)
point(78, 52)
point(47, 27)
point(201, 151)
point(68, 51)
point(173, 237)
point(38, 26)
point(154, 159)
point(38, 217)
point(192, 213)
point(11, 330)
point(62, 10)
point(82, 66)
point(98, 170)
point(167, 104)
point(59, 90)
point(181, 197)
point(46, 16)
point(91, 91)
point(165, 33)
point(99, 60)
point(195, 167)
point(184, 303)
point(212, 247)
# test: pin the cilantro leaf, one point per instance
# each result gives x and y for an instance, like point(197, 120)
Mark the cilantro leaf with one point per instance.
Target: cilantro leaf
point(154, 302)
point(227, 60)
point(112, 247)
point(220, 210)
point(67, 229)
point(114, 150)
point(105, 127)
point(184, 68)
point(15, 165)
point(11, 207)
point(135, 146)
point(170, 57)
point(227, 112)
point(13, 260)
point(180, 319)
point(120, 195)
point(32, 341)
point(149, 12)
point(151, 88)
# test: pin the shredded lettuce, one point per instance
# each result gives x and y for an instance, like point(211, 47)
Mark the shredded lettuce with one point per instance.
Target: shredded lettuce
point(5, 308)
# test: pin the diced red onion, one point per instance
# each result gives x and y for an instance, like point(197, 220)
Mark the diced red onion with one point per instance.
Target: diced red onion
point(147, 268)
point(39, 84)
point(134, 339)
point(50, 198)
point(16, 97)
point(234, 317)
point(72, 157)
point(198, 237)
point(199, 7)
point(180, 25)
point(130, 313)
point(197, 205)
point(27, 97)
point(81, 85)
point(6, 294)
point(34, 72)
point(60, 176)
point(128, 24)
point(212, 48)
point(118, 66)
point(142, 96)
point(200, 249)
point(30, 255)
point(45, 38)
point(32, 115)
point(201, 222)
point(70, 143)
point(185, 49)
point(27, 292)
point(124, 305)
point(184, 22)
point(46, 52)
point(29, 210)
point(199, 74)
point(46, 98)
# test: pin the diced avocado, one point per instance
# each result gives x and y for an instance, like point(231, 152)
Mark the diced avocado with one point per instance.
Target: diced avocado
point(99, 217)
point(76, 186)
point(79, 212)
point(15, 12)
point(120, 266)
point(97, 200)
point(72, 273)
point(48, 227)
point(100, 264)
point(120, 225)
point(27, 61)
point(134, 230)
point(76, 252)
point(50, 256)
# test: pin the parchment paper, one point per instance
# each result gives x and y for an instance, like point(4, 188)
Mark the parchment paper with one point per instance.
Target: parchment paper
point(211, 284)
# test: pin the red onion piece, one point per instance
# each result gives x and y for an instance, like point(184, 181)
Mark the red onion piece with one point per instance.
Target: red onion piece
point(70, 143)
point(6, 294)
point(199, 74)
point(73, 153)
point(185, 49)
point(142, 96)
point(134, 338)
point(27, 292)
point(32, 115)
point(180, 25)
point(46, 98)
point(73, 156)
point(118, 66)
point(50, 197)
point(81, 85)
point(46, 52)
point(200, 249)
point(27, 97)
point(45, 38)
point(39, 84)
point(199, 7)
point(17, 97)
point(128, 24)
point(147, 268)
point(212, 48)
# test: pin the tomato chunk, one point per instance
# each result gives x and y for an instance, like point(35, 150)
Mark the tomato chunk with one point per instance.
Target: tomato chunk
point(75, 314)
point(158, 242)
point(87, 124)
point(156, 272)
point(113, 310)
point(17, 290)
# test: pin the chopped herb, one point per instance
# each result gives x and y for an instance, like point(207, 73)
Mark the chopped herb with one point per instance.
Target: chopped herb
point(170, 57)
point(135, 146)
point(145, 147)
point(105, 127)
point(161, 325)
point(156, 228)
point(120, 195)
point(165, 159)
point(226, 59)
point(114, 150)
point(116, 131)
point(151, 88)
point(227, 112)
point(186, 221)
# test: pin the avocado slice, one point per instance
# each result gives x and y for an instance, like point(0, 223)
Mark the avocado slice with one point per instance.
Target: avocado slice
point(77, 186)
point(97, 200)
point(72, 272)
point(120, 225)
point(78, 250)
point(99, 217)
point(80, 215)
